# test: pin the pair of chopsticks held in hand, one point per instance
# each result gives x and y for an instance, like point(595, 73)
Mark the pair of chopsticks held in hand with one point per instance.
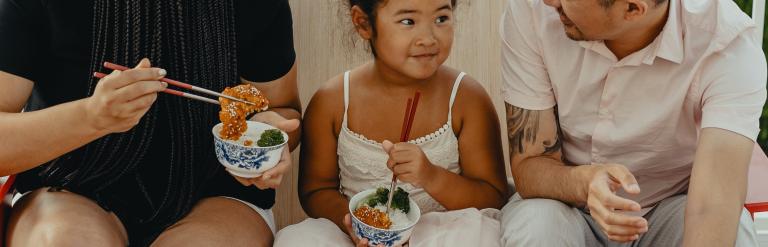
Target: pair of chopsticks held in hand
point(113, 66)
point(405, 132)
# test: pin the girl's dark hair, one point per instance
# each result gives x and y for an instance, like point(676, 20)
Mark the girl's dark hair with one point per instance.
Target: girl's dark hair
point(370, 8)
point(194, 40)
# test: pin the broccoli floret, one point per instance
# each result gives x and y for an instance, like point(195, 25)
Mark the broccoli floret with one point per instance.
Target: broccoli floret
point(378, 198)
point(399, 199)
point(270, 138)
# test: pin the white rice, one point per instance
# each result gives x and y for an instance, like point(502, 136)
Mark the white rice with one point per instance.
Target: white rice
point(399, 219)
point(252, 136)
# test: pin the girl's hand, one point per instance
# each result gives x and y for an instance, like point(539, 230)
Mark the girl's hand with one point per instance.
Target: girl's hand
point(272, 178)
point(409, 163)
point(358, 242)
point(122, 98)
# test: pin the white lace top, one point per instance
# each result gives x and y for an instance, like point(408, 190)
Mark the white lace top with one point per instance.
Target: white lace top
point(362, 162)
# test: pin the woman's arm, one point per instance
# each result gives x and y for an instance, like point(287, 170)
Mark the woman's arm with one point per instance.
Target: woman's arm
point(30, 139)
point(283, 95)
point(319, 170)
point(482, 182)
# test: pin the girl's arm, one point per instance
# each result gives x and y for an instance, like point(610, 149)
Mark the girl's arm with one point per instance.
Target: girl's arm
point(483, 177)
point(482, 182)
point(318, 168)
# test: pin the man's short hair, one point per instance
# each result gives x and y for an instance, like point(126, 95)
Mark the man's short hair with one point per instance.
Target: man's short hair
point(609, 3)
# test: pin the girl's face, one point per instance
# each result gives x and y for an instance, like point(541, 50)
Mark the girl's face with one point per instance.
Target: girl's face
point(413, 37)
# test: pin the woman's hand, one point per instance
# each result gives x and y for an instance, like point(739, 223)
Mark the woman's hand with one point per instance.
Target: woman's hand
point(358, 242)
point(122, 98)
point(409, 163)
point(272, 178)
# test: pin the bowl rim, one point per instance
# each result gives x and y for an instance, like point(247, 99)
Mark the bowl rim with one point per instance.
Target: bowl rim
point(371, 190)
point(236, 143)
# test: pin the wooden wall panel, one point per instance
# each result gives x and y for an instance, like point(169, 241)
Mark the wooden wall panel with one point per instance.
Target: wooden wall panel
point(326, 46)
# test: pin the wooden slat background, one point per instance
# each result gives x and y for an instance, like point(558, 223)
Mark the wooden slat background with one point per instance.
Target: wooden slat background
point(326, 46)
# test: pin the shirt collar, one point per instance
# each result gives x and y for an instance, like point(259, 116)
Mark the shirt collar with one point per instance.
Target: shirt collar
point(667, 45)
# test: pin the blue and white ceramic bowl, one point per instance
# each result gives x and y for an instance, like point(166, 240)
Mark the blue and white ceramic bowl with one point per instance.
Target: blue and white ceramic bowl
point(247, 161)
point(376, 236)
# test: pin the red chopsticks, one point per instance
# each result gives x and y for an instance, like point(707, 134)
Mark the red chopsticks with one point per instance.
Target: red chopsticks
point(171, 91)
point(113, 66)
point(405, 132)
point(410, 112)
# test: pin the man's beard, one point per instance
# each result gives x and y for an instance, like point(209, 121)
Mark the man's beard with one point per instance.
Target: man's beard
point(574, 33)
point(571, 30)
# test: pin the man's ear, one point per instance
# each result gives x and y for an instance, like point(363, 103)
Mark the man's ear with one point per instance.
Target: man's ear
point(636, 9)
point(362, 23)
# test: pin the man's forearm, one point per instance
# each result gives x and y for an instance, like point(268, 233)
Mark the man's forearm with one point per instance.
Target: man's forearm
point(714, 222)
point(717, 188)
point(544, 177)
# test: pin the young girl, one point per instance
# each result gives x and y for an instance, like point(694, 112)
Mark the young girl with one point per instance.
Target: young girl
point(453, 161)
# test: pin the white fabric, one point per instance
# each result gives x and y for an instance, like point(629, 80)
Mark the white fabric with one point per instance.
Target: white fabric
point(460, 228)
point(362, 162)
point(266, 214)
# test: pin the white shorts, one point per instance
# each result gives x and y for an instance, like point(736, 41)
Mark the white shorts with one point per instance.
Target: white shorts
point(266, 214)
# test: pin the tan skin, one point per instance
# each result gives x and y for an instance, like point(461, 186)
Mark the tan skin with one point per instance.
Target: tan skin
point(420, 27)
point(626, 27)
point(119, 101)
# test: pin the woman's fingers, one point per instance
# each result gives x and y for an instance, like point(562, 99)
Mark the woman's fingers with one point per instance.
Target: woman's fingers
point(277, 120)
point(139, 106)
point(120, 79)
point(138, 90)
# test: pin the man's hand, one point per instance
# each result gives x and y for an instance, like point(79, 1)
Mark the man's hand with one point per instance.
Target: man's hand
point(603, 202)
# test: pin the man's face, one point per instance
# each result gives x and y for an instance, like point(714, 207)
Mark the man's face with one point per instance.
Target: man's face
point(587, 19)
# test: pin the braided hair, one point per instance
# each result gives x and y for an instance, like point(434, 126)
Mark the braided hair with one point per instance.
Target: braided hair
point(194, 40)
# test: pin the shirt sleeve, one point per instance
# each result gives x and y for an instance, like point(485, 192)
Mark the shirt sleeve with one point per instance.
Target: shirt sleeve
point(21, 37)
point(733, 85)
point(525, 82)
point(269, 54)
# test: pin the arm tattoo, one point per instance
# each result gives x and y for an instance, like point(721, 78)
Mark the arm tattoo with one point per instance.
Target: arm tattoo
point(523, 128)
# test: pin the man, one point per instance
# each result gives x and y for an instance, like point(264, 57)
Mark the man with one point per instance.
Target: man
point(631, 122)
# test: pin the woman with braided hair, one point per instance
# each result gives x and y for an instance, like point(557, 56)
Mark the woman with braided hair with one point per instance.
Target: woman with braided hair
point(109, 161)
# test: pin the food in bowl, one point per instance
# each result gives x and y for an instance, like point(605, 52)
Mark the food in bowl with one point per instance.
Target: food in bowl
point(244, 160)
point(372, 210)
point(233, 113)
point(401, 223)
point(268, 138)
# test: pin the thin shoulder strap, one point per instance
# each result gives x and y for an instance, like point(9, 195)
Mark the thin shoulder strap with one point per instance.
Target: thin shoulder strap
point(346, 97)
point(453, 95)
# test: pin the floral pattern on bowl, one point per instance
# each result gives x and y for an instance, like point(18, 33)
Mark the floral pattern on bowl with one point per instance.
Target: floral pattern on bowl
point(247, 161)
point(376, 236)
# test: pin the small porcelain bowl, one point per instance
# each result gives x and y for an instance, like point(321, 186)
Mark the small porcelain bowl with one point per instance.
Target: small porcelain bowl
point(248, 161)
point(376, 236)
